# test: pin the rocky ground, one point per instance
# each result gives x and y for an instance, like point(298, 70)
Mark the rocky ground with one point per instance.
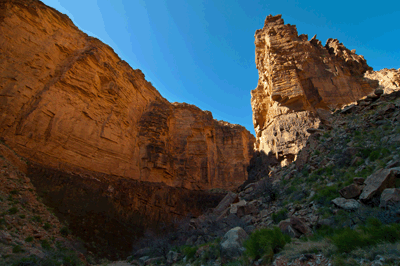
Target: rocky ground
point(347, 173)
point(30, 234)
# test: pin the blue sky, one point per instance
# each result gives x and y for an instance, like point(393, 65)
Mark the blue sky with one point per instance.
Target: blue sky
point(202, 51)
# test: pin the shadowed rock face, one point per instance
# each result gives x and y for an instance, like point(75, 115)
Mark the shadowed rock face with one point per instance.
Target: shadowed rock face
point(69, 104)
point(297, 79)
point(110, 213)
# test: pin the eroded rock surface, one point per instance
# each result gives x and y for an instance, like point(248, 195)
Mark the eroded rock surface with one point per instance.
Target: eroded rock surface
point(68, 100)
point(389, 79)
point(98, 132)
point(298, 80)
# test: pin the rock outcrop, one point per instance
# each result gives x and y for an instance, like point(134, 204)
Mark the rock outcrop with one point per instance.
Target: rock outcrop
point(95, 130)
point(299, 79)
point(389, 79)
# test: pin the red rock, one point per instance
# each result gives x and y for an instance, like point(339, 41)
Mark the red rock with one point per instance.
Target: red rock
point(299, 225)
point(359, 180)
point(378, 182)
point(72, 103)
point(350, 192)
point(296, 78)
point(93, 128)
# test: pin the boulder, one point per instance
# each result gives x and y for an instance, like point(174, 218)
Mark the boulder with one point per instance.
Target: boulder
point(225, 203)
point(299, 225)
point(232, 241)
point(350, 192)
point(359, 180)
point(287, 229)
point(390, 197)
point(379, 181)
point(239, 208)
point(172, 257)
point(5, 237)
point(347, 204)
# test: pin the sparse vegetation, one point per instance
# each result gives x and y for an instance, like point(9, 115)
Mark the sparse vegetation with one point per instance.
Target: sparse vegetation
point(280, 215)
point(64, 231)
point(29, 239)
point(265, 243)
point(13, 210)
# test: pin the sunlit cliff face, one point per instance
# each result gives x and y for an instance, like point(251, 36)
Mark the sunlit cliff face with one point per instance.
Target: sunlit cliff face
point(298, 77)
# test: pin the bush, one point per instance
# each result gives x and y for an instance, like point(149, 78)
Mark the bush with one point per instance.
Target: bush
point(17, 249)
point(279, 216)
point(46, 226)
point(349, 240)
point(189, 252)
point(53, 258)
point(13, 210)
point(266, 188)
point(325, 195)
point(37, 218)
point(64, 231)
point(372, 233)
point(45, 244)
point(265, 242)
point(29, 239)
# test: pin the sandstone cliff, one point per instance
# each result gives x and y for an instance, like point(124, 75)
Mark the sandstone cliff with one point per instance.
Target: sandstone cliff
point(67, 100)
point(107, 151)
point(298, 80)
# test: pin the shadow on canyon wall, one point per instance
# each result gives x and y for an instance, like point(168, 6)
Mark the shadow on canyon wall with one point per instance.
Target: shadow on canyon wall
point(108, 213)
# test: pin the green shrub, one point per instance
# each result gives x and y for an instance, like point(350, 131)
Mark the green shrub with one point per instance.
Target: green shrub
point(265, 242)
point(279, 216)
point(349, 240)
point(365, 152)
point(64, 231)
point(374, 155)
point(45, 244)
point(17, 249)
point(31, 260)
point(37, 218)
point(189, 252)
point(29, 239)
point(372, 233)
point(325, 195)
point(22, 216)
point(46, 226)
point(13, 210)
point(52, 258)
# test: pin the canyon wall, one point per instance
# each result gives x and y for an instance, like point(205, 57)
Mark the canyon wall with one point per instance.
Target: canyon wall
point(299, 80)
point(107, 152)
point(68, 101)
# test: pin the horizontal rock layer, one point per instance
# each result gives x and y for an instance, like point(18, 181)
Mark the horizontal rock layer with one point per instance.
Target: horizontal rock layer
point(68, 101)
point(108, 152)
point(298, 80)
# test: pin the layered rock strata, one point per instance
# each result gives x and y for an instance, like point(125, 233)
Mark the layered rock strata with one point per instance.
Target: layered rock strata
point(108, 152)
point(67, 100)
point(298, 80)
